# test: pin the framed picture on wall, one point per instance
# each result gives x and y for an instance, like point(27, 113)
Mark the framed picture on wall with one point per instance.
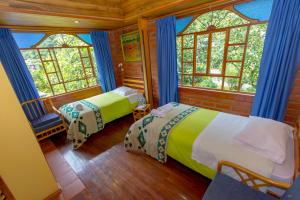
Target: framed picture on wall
point(131, 47)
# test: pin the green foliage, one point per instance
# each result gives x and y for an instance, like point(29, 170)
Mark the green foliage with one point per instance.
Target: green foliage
point(231, 65)
point(253, 57)
point(66, 75)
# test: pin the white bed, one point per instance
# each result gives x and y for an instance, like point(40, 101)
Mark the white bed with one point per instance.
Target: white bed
point(216, 143)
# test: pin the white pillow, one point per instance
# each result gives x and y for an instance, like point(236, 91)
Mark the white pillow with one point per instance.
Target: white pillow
point(266, 137)
point(124, 91)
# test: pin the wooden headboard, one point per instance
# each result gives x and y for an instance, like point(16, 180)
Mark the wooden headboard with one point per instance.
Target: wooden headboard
point(134, 82)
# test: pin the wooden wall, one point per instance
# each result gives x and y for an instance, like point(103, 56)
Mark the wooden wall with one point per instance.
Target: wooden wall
point(293, 108)
point(227, 102)
point(131, 69)
point(75, 96)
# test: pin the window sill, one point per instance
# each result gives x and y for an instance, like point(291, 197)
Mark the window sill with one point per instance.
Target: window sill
point(75, 91)
point(212, 91)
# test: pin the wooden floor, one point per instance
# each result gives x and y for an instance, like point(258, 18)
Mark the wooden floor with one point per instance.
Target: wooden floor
point(107, 171)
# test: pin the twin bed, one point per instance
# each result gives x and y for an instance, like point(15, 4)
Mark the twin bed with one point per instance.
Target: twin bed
point(89, 116)
point(199, 138)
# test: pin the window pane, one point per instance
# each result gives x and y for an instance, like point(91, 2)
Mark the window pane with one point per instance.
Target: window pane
point(86, 62)
point(70, 63)
point(201, 53)
point(237, 35)
point(179, 78)
point(179, 56)
point(45, 54)
point(84, 52)
point(188, 41)
point(188, 55)
point(35, 67)
point(179, 60)
point(187, 68)
point(53, 78)
point(187, 80)
point(62, 40)
point(92, 81)
point(233, 69)
point(217, 18)
point(208, 82)
point(89, 72)
point(235, 52)
point(178, 42)
point(49, 66)
point(253, 57)
point(76, 85)
point(58, 89)
point(231, 84)
point(217, 52)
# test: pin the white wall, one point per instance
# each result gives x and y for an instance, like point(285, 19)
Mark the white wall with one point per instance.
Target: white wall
point(22, 164)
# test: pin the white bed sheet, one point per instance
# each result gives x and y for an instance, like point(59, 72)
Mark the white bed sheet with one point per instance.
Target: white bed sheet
point(216, 143)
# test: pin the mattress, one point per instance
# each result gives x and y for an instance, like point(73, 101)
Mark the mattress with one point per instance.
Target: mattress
point(183, 137)
point(89, 116)
point(112, 105)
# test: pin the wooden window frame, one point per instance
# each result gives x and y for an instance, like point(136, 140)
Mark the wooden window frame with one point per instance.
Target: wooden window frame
point(227, 44)
point(57, 67)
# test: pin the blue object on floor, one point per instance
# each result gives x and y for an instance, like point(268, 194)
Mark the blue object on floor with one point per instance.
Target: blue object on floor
point(293, 193)
point(224, 187)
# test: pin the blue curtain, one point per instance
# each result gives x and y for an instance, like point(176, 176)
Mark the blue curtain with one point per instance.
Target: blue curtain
point(104, 60)
point(167, 60)
point(280, 60)
point(15, 67)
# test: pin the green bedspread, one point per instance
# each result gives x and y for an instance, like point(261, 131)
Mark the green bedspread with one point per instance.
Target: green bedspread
point(88, 116)
point(183, 135)
point(173, 135)
point(112, 105)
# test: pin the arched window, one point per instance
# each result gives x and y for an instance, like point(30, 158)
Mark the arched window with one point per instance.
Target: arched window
point(61, 63)
point(221, 50)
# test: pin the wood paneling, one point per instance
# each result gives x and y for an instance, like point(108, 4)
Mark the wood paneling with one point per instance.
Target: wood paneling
point(60, 100)
point(134, 9)
point(145, 48)
point(131, 69)
point(293, 107)
point(102, 14)
point(96, 9)
point(38, 22)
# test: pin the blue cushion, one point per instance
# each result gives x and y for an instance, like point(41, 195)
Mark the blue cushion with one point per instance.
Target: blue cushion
point(45, 119)
point(224, 187)
point(293, 193)
point(45, 122)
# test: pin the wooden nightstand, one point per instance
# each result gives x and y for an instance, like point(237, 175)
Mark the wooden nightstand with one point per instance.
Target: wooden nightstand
point(139, 113)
